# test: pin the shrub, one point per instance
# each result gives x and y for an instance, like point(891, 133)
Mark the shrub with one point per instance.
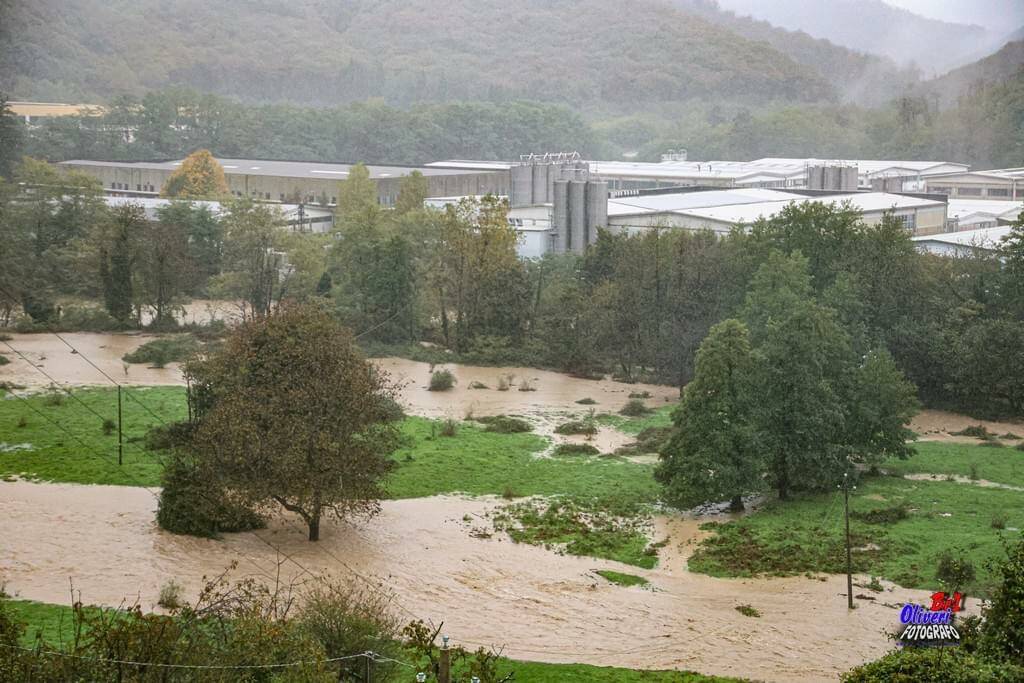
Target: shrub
point(584, 427)
point(999, 520)
point(1020, 446)
point(5, 337)
point(170, 595)
point(349, 619)
point(642, 394)
point(4, 360)
point(22, 422)
point(526, 386)
point(168, 437)
point(635, 408)
point(441, 380)
point(503, 424)
point(976, 431)
point(190, 505)
point(159, 352)
point(1010, 435)
point(576, 449)
point(508, 493)
point(504, 382)
point(449, 427)
point(587, 401)
point(972, 470)
point(478, 385)
point(88, 319)
point(954, 571)
point(54, 397)
point(889, 515)
point(747, 611)
point(992, 443)
point(109, 426)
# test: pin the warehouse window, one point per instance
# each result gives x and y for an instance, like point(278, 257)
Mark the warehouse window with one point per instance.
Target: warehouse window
point(998, 192)
point(969, 191)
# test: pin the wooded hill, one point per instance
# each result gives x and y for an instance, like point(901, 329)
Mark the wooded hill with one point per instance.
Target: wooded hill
point(613, 54)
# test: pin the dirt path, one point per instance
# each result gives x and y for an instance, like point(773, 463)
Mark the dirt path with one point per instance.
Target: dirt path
point(539, 605)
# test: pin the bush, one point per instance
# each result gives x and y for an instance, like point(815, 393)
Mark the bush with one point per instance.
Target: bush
point(478, 385)
point(109, 426)
point(4, 360)
point(170, 595)
point(159, 352)
point(954, 571)
point(504, 382)
point(22, 422)
point(190, 505)
point(441, 380)
point(747, 611)
point(642, 394)
point(972, 470)
point(88, 319)
point(349, 619)
point(585, 427)
point(999, 520)
point(576, 449)
point(933, 665)
point(54, 397)
point(587, 401)
point(503, 424)
point(976, 431)
point(169, 437)
point(635, 408)
point(449, 428)
point(889, 515)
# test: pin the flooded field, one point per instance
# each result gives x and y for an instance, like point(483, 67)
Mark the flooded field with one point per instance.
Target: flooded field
point(538, 604)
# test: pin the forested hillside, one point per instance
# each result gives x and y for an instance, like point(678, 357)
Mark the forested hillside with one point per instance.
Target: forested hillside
point(879, 28)
point(613, 53)
point(969, 79)
point(859, 77)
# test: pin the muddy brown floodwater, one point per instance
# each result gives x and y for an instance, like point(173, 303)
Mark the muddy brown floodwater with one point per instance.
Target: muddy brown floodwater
point(537, 604)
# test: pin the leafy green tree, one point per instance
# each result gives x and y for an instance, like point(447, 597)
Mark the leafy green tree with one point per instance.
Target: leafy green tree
point(291, 413)
point(411, 193)
point(358, 200)
point(11, 139)
point(119, 255)
point(1012, 252)
point(988, 367)
point(252, 262)
point(712, 455)
point(1003, 629)
point(200, 176)
point(204, 236)
point(163, 266)
point(880, 404)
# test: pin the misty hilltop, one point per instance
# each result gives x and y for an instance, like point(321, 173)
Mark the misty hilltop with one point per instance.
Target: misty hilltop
point(876, 27)
point(611, 54)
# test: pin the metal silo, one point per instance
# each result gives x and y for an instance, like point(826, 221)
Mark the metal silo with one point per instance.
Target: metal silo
point(597, 208)
point(560, 215)
point(577, 215)
point(522, 186)
point(540, 183)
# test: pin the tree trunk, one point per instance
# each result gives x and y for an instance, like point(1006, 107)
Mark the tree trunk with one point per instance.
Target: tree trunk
point(736, 505)
point(314, 527)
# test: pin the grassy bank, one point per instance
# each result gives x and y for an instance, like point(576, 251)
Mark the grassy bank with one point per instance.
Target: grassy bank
point(81, 450)
point(474, 461)
point(925, 519)
point(54, 623)
point(1004, 464)
point(661, 417)
point(478, 462)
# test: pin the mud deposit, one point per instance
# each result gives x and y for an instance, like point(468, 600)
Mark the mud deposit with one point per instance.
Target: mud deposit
point(536, 603)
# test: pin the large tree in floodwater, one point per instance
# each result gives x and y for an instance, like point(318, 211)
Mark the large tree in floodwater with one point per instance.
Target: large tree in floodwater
point(290, 412)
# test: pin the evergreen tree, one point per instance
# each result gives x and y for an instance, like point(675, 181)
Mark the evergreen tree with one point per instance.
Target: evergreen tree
point(712, 454)
point(11, 139)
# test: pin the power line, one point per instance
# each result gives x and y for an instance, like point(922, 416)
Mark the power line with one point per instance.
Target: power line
point(369, 654)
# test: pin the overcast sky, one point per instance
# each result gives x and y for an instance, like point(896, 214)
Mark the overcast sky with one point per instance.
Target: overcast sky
point(999, 15)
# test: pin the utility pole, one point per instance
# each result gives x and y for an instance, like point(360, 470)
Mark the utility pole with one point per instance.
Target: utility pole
point(120, 434)
point(849, 562)
point(444, 672)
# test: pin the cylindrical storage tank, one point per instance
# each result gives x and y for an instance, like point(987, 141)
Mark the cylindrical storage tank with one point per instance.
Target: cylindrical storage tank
point(597, 208)
point(553, 175)
point(577, 216)
point(560, 215)
point(540, 184)
point(522, 186)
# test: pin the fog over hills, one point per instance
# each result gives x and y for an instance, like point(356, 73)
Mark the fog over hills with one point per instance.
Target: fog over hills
point(880, 28)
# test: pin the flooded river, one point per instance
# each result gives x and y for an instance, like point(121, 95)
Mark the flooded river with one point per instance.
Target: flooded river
point(537, 604)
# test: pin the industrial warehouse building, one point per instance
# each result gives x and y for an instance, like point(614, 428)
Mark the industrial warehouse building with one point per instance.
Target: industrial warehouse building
point(963, 243)
point(291, 181)
point(1005, 184)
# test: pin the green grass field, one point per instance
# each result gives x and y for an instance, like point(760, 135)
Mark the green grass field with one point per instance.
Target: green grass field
point(55, 624)
point(484, 463)
point(806, 534)
point(474, 461)
point(68, 442)
point(1003, 465)
point(661, 417)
